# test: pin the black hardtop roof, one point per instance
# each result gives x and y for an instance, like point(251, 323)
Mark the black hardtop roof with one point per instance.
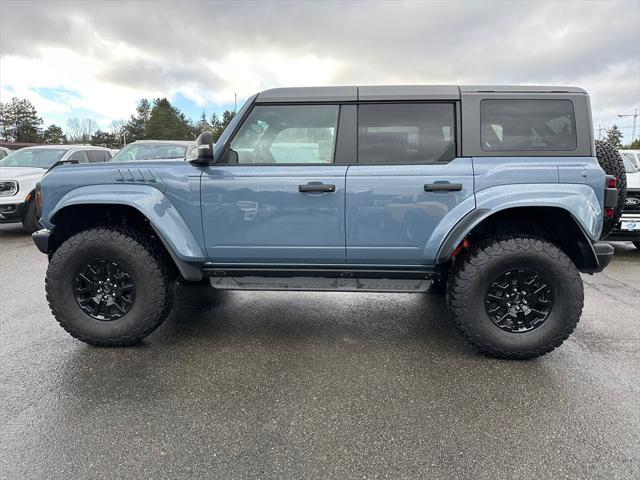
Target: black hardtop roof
point(396, 92)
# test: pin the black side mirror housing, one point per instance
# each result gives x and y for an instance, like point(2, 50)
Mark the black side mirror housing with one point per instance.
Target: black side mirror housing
point(205, 149)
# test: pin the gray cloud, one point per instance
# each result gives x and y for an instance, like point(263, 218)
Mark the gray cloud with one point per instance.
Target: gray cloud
point(375, 42)
point(154, 75)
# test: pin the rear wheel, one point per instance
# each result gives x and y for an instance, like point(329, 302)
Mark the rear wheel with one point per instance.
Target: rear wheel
point(30, 221)
point(109, 287)
point(515, 296)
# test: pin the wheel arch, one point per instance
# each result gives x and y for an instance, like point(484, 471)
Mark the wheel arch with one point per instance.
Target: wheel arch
point(74, 217)
point(552, 223)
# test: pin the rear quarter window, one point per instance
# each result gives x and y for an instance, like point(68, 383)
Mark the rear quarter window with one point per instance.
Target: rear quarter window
point(527, 125)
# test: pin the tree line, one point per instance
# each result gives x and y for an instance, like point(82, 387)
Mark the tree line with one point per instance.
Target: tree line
point(152, 120)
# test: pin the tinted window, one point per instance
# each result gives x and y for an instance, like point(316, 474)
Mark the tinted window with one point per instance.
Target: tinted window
point(527, 125)
point(96, 156)
point(287, 134)
point(406, 133)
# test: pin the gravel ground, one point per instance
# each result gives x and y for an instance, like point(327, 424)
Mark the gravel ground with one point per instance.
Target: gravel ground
point(314, 385)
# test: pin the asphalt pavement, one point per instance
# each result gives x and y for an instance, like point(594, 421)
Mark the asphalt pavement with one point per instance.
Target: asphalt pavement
point(314, 385)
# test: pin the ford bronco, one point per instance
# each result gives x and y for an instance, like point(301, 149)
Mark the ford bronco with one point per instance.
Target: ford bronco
point(492, 195)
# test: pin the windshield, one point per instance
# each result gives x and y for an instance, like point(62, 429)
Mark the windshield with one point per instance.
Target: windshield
point(150, 151)
point(629, 164)
point(33, 157)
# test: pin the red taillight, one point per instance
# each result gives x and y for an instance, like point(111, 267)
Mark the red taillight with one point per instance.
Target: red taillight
point(612, 182)
point(609, 212)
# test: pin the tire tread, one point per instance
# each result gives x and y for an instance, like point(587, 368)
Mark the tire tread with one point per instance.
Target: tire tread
point(157, 268)
point(476, 259)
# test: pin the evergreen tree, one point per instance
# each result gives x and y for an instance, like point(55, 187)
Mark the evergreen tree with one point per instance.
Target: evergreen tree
point(166, 122)
point(19, 121)
point(54, 134)
point(218, 125)
point(105, 139)
point(635, 145)
point(202, 125)
point(136, 128)
point(614, 136)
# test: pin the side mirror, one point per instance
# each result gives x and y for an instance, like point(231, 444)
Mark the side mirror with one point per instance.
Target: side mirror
point(205, 148)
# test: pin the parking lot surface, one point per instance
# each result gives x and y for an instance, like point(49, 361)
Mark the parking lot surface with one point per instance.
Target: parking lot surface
point(314, 385)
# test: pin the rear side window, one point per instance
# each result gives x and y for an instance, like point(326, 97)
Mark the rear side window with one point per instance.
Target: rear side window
point(527, 125)
point(97, 156)
point(406, 133)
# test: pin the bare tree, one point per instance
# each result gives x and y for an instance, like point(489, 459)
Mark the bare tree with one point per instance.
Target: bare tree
point(119, 128)
point(81, 129)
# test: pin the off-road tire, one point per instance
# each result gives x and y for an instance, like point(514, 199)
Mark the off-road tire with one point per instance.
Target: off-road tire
point(150, 270)
point(612, 164)
point(475, 271)
point(30, 221)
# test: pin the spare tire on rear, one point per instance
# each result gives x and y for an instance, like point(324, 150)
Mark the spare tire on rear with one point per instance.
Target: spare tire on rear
point(612, 164)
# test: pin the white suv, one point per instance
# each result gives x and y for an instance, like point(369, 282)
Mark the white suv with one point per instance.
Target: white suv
point(22, 169)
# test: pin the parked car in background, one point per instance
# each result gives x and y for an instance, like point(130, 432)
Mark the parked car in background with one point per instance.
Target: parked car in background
point(141, 150)
point(4, 151)
point(629, 226)
point(22, 169)
point(632, 155)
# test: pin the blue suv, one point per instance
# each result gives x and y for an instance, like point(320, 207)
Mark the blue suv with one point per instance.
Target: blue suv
point(492, 195)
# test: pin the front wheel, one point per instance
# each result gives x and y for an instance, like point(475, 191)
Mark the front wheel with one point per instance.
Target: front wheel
point(109, 287)
point(30, 221)
point(515, 297)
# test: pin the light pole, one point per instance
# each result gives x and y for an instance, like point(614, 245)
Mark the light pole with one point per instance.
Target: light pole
point(635, 118)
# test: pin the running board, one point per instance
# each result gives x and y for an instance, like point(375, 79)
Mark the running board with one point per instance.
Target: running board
point(322, 284)
point(321, 278)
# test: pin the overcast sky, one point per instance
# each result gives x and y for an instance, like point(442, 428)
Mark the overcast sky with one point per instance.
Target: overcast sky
point(99, 58)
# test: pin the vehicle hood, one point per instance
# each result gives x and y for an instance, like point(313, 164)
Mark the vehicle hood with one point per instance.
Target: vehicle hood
point(633, 180)
point(21, 173)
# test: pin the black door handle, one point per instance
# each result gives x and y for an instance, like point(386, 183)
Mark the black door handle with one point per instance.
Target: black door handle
point(316, 187)
point(443, 187)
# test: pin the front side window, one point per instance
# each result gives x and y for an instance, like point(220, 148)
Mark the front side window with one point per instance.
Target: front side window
point(79, 156)
point(527, 125)
point(286, 134)
point(406, 133)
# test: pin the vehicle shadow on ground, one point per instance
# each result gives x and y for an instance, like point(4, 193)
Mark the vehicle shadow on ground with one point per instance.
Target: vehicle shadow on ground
point(625, 250)
point(204, 313)
point(12, 230)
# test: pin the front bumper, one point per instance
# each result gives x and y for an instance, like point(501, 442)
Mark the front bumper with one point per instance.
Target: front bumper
point(41, 238)
point(11, 212)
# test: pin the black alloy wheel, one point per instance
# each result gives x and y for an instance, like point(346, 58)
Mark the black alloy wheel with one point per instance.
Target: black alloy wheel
point(519, 300)
point(104, 290)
